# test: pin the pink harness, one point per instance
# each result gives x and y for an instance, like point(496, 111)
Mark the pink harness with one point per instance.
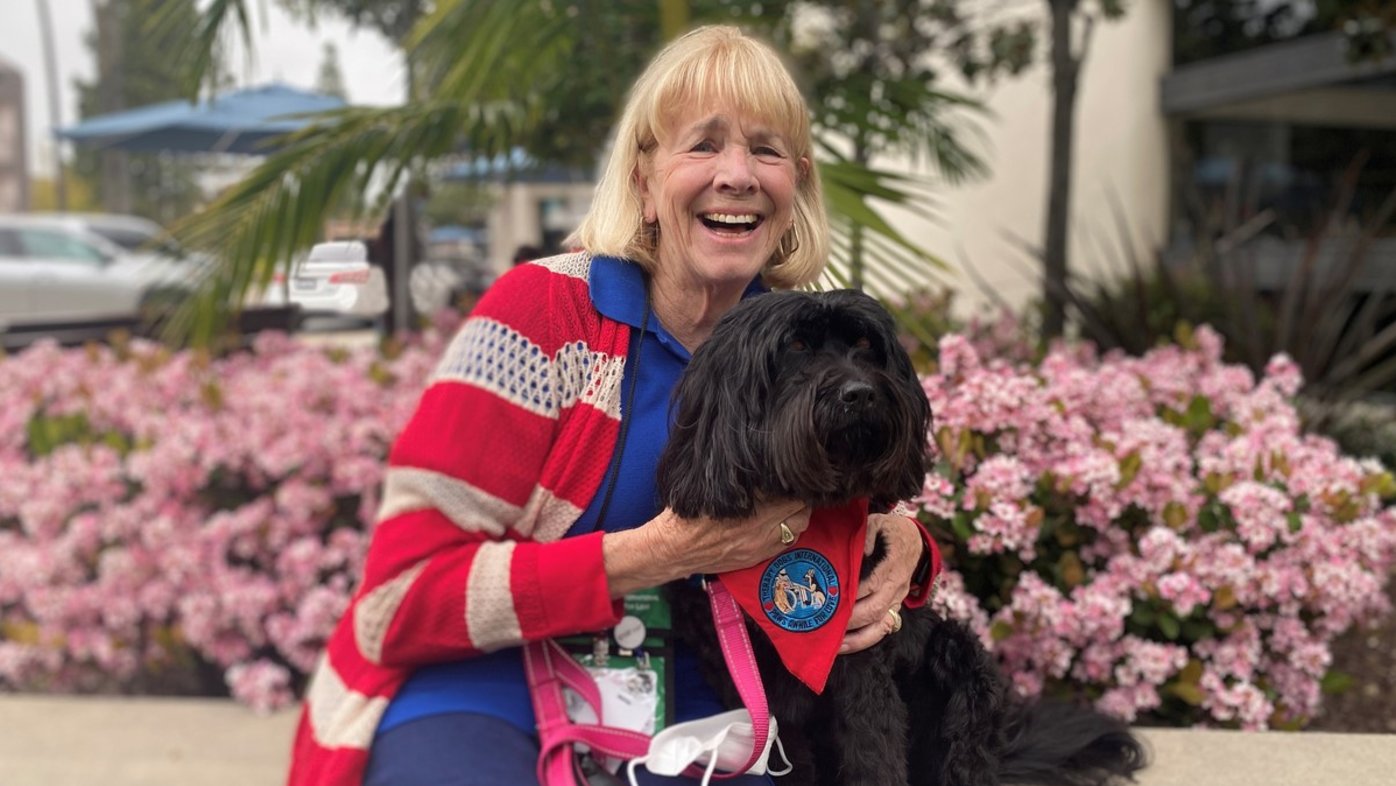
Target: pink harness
point(550, 669)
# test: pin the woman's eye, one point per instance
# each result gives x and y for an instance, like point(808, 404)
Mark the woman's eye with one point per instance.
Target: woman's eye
point(706, 146)
point(768, 152)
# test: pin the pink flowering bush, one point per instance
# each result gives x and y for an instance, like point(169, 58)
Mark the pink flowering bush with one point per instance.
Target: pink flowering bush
point(1155, 533)
point(174, 523)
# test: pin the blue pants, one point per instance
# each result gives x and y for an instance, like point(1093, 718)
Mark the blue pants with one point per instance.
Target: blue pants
point(468, 749)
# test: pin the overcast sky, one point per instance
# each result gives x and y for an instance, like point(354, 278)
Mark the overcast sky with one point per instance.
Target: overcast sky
point(285, 52)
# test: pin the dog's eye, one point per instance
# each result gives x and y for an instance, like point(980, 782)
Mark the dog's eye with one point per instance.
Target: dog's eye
point(796, 345)
point(862, 343)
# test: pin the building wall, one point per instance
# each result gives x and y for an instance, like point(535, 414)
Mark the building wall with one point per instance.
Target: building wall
point(518, 220)
point(1121, 155)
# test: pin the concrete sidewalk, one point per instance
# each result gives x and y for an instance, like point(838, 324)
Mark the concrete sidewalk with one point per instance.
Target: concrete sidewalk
point(80, 741)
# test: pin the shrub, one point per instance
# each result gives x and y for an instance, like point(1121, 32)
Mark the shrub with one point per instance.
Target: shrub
point(171, 523)
point(1154, 533)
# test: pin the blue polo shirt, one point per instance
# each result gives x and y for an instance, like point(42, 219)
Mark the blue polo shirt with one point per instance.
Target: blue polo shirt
point(494, 684)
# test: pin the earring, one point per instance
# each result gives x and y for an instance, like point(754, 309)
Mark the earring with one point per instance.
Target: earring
point(789, 244)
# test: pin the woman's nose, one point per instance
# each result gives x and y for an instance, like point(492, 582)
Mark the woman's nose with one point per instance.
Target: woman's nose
point(735, 172)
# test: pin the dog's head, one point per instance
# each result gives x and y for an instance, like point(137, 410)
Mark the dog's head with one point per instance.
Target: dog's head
point(796, 395)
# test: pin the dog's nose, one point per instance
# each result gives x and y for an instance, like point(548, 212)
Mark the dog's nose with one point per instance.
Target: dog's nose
point(856, 394)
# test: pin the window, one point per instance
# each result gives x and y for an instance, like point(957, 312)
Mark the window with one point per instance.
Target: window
point(56, 245)
point(128, 239)
point(9, 244)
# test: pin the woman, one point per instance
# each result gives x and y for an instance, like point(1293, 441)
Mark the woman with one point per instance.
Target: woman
point(503, 520)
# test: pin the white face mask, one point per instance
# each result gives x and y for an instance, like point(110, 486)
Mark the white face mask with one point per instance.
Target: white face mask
point(725, 740)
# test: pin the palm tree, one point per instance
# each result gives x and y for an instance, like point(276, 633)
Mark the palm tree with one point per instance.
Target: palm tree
point(491, 76)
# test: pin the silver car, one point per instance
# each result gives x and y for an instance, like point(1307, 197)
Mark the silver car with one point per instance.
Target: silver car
point(54, 270)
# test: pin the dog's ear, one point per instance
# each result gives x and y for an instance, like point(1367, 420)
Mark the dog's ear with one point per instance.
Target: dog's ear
point(903, 475)
point(714, 460)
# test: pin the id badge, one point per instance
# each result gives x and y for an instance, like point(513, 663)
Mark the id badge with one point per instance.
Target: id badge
point(631, 664)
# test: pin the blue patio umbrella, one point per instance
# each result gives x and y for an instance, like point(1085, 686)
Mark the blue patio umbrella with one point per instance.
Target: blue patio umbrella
point(240, 121)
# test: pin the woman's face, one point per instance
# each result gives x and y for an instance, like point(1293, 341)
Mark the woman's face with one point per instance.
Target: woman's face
point(722, 188)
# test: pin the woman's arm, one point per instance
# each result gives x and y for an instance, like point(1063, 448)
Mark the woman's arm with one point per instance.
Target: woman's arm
point(455, 566)
point(668, 547)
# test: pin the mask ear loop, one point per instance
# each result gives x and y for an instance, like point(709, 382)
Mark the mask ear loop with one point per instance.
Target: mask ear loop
point(712, 765)
point(784, 758)
point(630, 770)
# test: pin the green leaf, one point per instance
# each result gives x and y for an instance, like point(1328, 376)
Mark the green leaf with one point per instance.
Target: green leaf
point(1143, 615)
point(1336, 682)
point(1187, 692)
point(1129, 468)
point(960, 524)
point(1168, 625)
point(1000, 630)
point(1296, 522)
point(1195, 629)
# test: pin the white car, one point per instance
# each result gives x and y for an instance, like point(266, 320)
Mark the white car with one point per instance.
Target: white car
point(53, 270)
point(334, 278)
point(135, 234)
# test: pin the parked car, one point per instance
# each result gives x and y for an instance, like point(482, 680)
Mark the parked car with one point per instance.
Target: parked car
point(136, 234)
point(334, 278)
point(54, 269)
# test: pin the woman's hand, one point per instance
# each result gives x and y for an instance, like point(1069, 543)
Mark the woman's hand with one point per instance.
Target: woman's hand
point(887, 585)
point(669, 547)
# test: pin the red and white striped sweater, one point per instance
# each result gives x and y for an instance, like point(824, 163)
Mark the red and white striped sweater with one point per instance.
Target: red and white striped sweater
point(505, 450)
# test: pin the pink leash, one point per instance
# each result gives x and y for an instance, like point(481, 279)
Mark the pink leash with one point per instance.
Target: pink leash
point(550, 669)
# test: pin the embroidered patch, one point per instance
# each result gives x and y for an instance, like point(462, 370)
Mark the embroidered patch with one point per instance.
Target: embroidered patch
point(800, 590)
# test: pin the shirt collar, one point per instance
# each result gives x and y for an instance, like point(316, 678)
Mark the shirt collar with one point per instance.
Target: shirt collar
point(618, 291)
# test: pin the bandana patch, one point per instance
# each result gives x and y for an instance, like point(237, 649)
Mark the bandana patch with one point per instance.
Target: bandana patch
point(797, 597)
point(800, 590)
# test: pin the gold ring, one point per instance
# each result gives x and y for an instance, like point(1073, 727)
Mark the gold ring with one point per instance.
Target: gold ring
point(787, 536)
point(896, 619)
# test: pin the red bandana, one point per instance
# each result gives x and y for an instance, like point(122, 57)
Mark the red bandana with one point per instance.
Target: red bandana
point(804, 596)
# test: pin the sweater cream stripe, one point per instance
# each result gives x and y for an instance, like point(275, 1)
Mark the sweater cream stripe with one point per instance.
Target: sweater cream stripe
point(547, 517)
point(468, 507)
point(588, 377)
point(500, 360)
point(602, 390)
point(490, 617)
point(374, 612)
point(339, 717)
point(576, 265)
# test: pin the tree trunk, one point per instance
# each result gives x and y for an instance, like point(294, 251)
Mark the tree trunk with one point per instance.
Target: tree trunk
point(60, 188)
point(1065, 72)
point(115, 171)
point(855, 232)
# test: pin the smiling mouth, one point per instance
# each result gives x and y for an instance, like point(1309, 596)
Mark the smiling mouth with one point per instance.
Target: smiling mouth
point(731, 223)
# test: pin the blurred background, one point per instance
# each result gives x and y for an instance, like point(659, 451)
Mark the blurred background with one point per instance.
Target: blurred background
point(1038, 156)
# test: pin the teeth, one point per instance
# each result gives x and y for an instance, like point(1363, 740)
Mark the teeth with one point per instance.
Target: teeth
point(731, 218)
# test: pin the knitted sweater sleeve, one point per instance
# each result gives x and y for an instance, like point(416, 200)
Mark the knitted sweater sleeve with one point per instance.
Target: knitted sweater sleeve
point(467, 556)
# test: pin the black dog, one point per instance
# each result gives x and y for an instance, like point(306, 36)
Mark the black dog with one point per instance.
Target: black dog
point(810, 397)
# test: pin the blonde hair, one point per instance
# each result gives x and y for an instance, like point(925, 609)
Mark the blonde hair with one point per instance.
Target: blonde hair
point(709, 66)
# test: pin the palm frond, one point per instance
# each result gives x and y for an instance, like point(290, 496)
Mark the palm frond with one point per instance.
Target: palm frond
point(203, 43)
point(263, 222)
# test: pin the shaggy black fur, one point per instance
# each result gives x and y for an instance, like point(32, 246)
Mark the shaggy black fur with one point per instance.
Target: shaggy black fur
point(809, 396)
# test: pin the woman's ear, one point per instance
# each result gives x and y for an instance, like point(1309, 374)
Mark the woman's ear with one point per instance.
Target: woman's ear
point(648, 211)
